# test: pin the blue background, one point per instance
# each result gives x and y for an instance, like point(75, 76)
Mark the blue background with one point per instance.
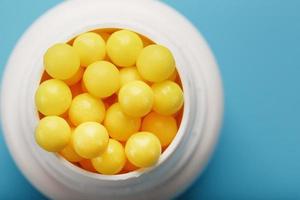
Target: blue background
point(256, 43)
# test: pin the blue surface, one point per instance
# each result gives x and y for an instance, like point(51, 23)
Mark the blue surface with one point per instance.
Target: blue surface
point(257, 44)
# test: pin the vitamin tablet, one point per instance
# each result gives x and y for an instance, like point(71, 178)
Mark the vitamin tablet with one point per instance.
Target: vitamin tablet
point(102, 79)
point(119, 125)
point(129, 74)
point(155, 63)
point(143, 149)
point(136, 98)
point(53, 133)
point(69, 153)
point(168, 97)
point(164, 127)
point(53, 97)
point(90, 139)
point(112, 160)
point(123, 48)
point(84, 108)
point(61, 61)
point(90, 47)
point(75, 78)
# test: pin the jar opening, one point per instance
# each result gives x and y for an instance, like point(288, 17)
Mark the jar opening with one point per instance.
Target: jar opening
point(181, 119)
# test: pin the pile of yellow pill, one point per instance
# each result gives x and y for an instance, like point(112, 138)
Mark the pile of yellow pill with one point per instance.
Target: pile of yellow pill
point(110, 101)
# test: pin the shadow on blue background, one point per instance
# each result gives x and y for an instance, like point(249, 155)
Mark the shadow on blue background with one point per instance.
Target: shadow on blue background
point(257, 46)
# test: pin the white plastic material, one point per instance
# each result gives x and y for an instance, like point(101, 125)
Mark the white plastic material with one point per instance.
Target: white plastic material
point(184, 159)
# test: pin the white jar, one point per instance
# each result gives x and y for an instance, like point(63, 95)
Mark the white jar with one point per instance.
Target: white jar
point(184, 159)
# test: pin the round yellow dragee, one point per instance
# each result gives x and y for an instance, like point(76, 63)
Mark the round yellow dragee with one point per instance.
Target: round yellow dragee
point(143, 149)
point(123, 48)
point(90, 139)
point(136, 98)
point(90, 47)
point(129, 74)
point(102, 79)
point(155, 63)
point(69, 153)
point(164, 127)
point(112, 160)
point(53, 133)
point(86, 108)
point(168, 97)
point(119, 125)
point(61, 61)
point(53, 97)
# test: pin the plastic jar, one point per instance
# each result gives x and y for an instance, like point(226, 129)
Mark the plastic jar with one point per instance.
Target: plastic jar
point(183, 160)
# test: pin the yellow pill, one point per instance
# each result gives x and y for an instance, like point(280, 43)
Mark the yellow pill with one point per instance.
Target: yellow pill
point(90, 139)
point(155, 63)
point(129, 74)
point(164, 127)
point(119, 125)
point(53, 97)
point(102, 79)
point(168, 97)
point(90, 47)
point(136, 98)
point(76, 78)
point(53, 133)
point(86, 108)
point(143, 149)
point(69, 153)
point(61, 61)
point(112, 160)
point(123, 48)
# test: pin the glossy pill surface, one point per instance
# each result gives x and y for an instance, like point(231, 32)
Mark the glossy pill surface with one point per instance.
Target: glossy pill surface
point(164, 127)
point(69, 153)
point(129, 74)
point(168, 97)
point(119, 125)
point(61, 61)
point(53, 97)
point(136, 98)
point(84, 108)
point(143, 149)
point(90, 47)
point(112, 160)
point(53, 133)
point(155, 63)
point(123, 48)
point(90, 139)
point(102, 79)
